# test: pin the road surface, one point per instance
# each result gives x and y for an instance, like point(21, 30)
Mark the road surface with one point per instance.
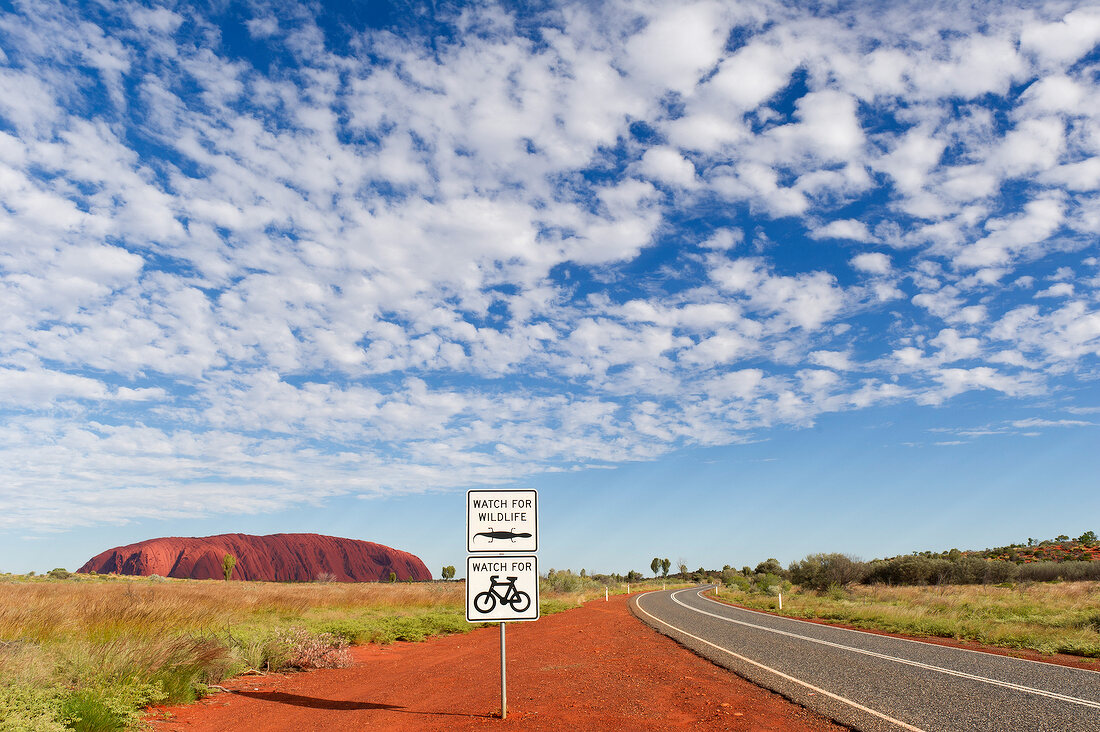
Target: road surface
point(874, 682)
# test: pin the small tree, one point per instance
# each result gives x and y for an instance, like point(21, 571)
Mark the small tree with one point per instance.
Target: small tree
point(655, 565)
point(666, 564)
point(448, 572)
point(1088, 538)
point(393, 576)
point(771, 566)
point(228, 563)
point(683, 570)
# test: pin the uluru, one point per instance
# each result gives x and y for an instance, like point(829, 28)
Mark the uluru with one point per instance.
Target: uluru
point(274, 558)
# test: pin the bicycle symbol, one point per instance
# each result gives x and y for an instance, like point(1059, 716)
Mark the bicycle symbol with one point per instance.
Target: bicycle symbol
point(484, 602)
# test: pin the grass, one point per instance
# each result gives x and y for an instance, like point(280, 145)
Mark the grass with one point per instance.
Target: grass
point(91, 653)
point(1046, 617)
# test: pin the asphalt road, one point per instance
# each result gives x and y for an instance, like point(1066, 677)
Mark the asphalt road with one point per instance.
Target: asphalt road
point(873, 682)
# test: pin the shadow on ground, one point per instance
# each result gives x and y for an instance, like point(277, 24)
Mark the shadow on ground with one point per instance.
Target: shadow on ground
point(310, 702)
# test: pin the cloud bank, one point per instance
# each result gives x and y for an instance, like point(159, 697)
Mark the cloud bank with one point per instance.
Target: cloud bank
point(262, 259)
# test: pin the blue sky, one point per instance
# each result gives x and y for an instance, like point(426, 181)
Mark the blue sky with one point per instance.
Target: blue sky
point(724, 281)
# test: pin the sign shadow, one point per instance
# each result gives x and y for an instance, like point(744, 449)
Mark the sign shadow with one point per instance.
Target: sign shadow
point(281, 697)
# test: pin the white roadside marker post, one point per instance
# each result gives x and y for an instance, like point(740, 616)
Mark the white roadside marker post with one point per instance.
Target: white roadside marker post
point(605, 593)
point(780, 600)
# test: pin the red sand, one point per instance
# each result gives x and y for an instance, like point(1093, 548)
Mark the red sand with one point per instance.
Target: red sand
point(593, 668)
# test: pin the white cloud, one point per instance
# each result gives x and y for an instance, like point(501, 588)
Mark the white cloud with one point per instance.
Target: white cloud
point(872, 263)
point(724, 239)
point(752, 75)
point(1059, 289)
point(679, 45)
point(1011, 237)
point(1064, 40)
point(836, 360)
point(666, 165)
point(843, 229)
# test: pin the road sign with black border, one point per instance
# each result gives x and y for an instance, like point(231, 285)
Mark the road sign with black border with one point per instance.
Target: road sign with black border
point(504, 520)
point(502, 588)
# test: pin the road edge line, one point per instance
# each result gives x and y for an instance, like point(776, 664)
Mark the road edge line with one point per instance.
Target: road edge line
point(635, 601)
point(885, 634)
point(896, 659)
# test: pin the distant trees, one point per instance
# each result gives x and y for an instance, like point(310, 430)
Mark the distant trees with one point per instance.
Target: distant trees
point(1088, 538)
point(448, 572)
point(666, 564)
point(819, 571)
point(228, 563)
point(683, 569)
point(655, 565)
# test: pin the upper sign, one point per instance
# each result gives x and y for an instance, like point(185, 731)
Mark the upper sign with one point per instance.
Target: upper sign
point(502, 520)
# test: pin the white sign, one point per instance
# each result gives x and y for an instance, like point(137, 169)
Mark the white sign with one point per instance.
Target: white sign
point(502, 520)
point(502, 587)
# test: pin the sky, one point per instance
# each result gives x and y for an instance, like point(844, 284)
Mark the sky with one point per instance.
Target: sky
point(723, 281)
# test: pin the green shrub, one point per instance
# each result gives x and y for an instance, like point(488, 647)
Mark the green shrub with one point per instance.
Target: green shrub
point(30, 708)
point(818, 571)
point(765, 583)
point(742, 583)
point(115, 706)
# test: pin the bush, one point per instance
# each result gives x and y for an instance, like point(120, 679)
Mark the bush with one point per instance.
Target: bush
point(818, 571)
point(765, 583)
point(30, 707)
point(306, 650)
point(1065, 571)
point(771, 566)
point(59, 573)
point(740, 582)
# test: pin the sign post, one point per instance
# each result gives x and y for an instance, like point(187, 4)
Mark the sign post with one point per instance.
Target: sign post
point(502, 572)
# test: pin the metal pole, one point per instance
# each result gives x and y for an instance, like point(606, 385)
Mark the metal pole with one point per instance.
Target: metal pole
point(503, 678)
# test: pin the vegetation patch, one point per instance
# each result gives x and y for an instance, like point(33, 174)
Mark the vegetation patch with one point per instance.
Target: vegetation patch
point(1048, 618)
point(90, 652)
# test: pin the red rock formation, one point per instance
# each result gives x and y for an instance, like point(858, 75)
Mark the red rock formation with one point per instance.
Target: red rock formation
point(278, 557)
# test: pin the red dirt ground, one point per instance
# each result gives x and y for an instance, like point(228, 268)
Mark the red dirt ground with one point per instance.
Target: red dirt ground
point(593, 668)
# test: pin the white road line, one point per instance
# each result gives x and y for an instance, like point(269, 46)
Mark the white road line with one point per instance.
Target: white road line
point(800, 682)
point(918, 664)
point(894, 637)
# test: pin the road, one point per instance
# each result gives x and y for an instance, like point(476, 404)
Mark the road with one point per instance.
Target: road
point(874, 682)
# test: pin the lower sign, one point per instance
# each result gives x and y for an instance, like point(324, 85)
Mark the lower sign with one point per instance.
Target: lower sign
point(502, 588)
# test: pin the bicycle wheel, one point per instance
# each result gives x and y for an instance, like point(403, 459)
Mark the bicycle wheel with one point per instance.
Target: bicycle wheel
point(521, 601)
point(484, 602)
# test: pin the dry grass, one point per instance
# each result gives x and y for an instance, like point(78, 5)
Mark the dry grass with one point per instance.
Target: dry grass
point(99, 649)
point(1046, 617)
point(46, 611)
point(102, 648)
